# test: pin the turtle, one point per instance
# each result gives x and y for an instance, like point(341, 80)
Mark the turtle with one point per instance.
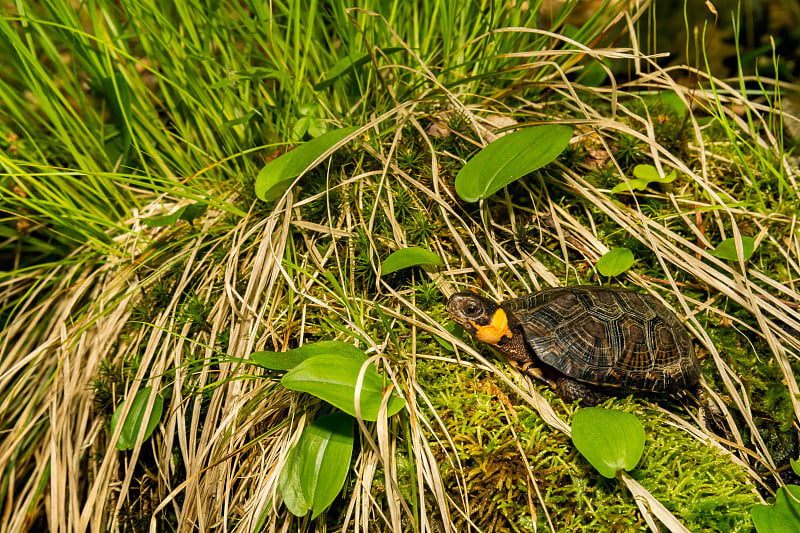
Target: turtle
point(582, 339)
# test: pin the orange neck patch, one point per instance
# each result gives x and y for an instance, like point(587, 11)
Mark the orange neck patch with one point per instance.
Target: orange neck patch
point(494, 330)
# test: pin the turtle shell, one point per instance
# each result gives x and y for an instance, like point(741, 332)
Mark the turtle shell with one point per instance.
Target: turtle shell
point(608, 336)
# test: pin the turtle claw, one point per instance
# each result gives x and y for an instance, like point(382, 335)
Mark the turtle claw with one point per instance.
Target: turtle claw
point(537, 373)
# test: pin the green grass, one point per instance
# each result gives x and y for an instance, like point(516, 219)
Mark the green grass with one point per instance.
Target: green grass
point(110, 114)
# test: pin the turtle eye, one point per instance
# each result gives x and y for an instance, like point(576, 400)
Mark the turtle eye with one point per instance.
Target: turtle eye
point(472, 309)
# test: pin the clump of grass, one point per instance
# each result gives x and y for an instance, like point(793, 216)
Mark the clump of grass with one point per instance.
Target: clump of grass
point(174, 110)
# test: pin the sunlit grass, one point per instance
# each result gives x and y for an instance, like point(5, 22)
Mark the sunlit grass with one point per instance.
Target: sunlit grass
point(122, 113)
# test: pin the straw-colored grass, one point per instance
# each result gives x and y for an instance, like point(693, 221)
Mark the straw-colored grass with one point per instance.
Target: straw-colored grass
point(478, 447)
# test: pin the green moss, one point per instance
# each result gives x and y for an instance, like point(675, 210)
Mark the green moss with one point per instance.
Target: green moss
point(701, 486)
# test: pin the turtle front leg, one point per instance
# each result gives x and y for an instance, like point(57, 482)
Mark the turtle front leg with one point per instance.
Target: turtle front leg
point(570, 390)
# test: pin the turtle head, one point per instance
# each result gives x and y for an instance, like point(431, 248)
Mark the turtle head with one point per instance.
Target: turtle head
point(480, 316)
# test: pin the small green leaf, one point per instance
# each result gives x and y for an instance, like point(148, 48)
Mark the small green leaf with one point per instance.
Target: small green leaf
point(193, 211)
point(255, 74)
point(300, 128)
point(727, 249)
point(615, 261)
point(188, 213)
point(277, 175)
point(132, 426)
point(408, 257)
point(307, 110)
point(164, 220)
point(317, 127)
point(783, 517)
point(795, 466)
point(455, 329)
point(333, 378)
point(650, 173)
point(291, 358)
point(316, 468)
point(645, 175)
point(610, 440)
point(509, 158)
point(630, 185)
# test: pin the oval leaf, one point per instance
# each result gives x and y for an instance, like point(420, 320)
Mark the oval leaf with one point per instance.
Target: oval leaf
point(326, 454)
point(783, 517)
point(290, 486)
point(795, 466)
point(509, 158)
point(645, 175)
point(408, 257)
point(188, 213)
point(610, 440)
point(291, 358)
point(277, 175)
point(317, 466)
point(133, 424)
point(456, 330)
point(614, 262)
point(630, 185)
point(333, 378)
point(727, 249)
point(164, 220)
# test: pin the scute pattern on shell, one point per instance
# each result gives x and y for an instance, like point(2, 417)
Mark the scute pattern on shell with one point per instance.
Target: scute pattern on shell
point(608, 336)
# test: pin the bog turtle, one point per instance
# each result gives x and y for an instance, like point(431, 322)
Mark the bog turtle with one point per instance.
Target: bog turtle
point(583, 338)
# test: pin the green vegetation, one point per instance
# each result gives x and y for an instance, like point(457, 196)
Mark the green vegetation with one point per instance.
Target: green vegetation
point(191, 193)
point(610, 440)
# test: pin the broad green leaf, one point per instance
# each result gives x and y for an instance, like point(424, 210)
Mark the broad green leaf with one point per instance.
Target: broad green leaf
point(277, 175)
point(291, 488)
point(727, 249)
point(317, 466)
point(615, 261)
point(783, 517)
point(645, 175)
point(326, 453)
point(610, 440)
point(509, 158)
point(188, 213)
point(291, 358)
point(408, 257)
point(134, 423)
point(349, 64)
point(333, 378)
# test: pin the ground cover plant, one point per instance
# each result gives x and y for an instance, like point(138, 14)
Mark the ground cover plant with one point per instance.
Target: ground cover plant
point(198, 200)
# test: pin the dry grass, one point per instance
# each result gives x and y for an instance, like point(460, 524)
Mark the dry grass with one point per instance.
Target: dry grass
point(215, 459)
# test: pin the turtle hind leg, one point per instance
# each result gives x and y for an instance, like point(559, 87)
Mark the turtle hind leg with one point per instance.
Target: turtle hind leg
point(570, 390)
